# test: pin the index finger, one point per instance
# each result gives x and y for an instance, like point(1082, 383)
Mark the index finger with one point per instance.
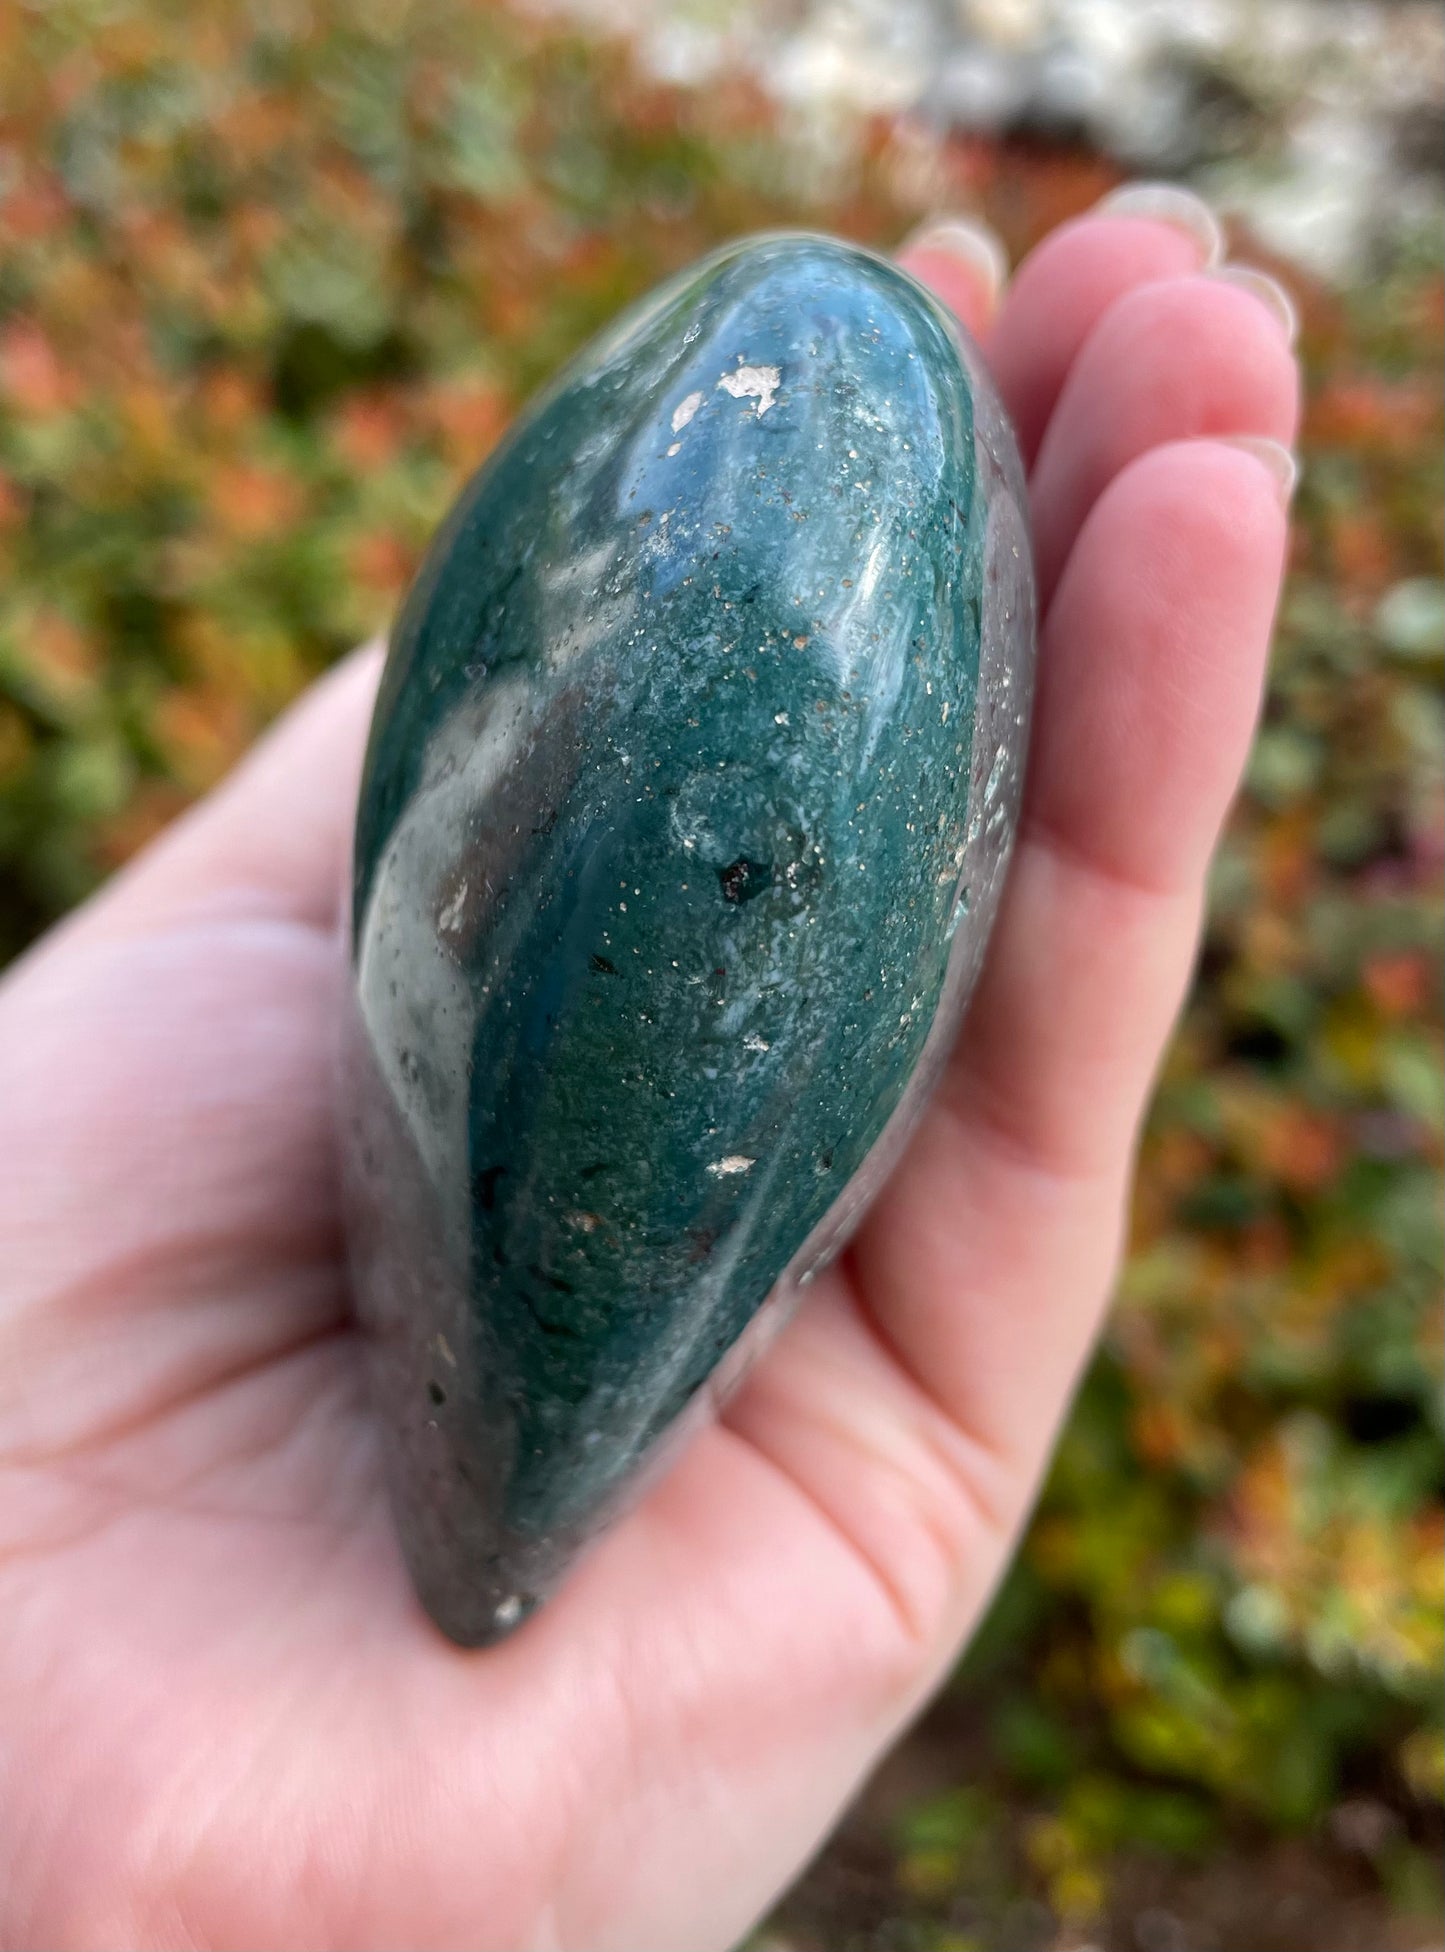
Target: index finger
point(1139, 235)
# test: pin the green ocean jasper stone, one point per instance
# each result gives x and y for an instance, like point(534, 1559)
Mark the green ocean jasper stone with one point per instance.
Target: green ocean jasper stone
point(688, 797)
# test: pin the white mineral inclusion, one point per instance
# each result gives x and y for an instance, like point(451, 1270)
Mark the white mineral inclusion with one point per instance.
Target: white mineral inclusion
point(758, 383)
point(736, 1162)
point(683, 412)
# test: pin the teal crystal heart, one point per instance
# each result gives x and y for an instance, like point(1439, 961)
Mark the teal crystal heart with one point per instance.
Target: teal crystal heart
point(690, 791)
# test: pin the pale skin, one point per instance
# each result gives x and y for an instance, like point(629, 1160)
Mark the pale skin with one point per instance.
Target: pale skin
point(224, 1720)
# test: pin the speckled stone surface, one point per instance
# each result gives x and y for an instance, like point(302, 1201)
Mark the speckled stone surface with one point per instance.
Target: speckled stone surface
point(687, 803)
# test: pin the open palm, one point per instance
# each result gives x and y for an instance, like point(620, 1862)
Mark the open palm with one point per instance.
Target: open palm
point(224, 1720)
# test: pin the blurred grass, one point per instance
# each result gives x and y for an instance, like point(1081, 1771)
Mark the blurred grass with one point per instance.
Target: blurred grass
point(272, 279)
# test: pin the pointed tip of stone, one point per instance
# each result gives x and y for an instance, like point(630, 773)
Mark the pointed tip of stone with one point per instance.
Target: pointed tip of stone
point(472, 1617)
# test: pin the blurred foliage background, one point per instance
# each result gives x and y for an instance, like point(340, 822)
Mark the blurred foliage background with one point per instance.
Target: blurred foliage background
point(273, 277)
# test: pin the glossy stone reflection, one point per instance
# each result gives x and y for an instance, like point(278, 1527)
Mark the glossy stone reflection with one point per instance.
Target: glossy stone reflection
point(687, 801)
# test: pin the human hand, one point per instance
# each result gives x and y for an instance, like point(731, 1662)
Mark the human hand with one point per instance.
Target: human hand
point(224, 1719)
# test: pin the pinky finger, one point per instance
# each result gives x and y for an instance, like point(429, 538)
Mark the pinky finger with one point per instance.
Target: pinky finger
point(962, 262)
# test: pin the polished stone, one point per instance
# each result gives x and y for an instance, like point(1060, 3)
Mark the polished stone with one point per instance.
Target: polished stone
point(686, 807)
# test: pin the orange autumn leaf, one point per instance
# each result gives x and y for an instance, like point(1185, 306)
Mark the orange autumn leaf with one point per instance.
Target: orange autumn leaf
point(1286, 862)
point(151, 423)
point(467, 417)
point(1265, 1245)
point(370, 429)
point(255, 228)
point(36, 207)
point(1160, 1431)
point(1302, 1149)
point(128, 45)
point(513, 309)
point(1260, 1509)
point(1271, 938)
point(16, 743)
point(204, 730)
point(1398, 985)
point(1363, 551)
point(13, 505)
point(61, 655)
point(253, 500)
point(255, 125)
point(31, 374)
point(231, 400)
point(1373, 413)
point(152, 807)
point(381, 561)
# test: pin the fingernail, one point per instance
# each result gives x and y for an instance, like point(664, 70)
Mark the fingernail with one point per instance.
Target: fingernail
point(1269, 291)
point(968, 240)
point(1273, 456)
point(1167, 203)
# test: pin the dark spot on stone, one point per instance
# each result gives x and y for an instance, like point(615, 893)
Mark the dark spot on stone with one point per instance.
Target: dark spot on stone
point(742, 879)
point(591, 1172)
point(486, 1186)
point(825, 1161)
point(437, 1394)
point(602, 966)
point(544, 1322)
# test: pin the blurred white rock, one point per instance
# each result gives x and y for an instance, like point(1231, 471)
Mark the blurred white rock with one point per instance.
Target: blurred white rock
point(1314, 120)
